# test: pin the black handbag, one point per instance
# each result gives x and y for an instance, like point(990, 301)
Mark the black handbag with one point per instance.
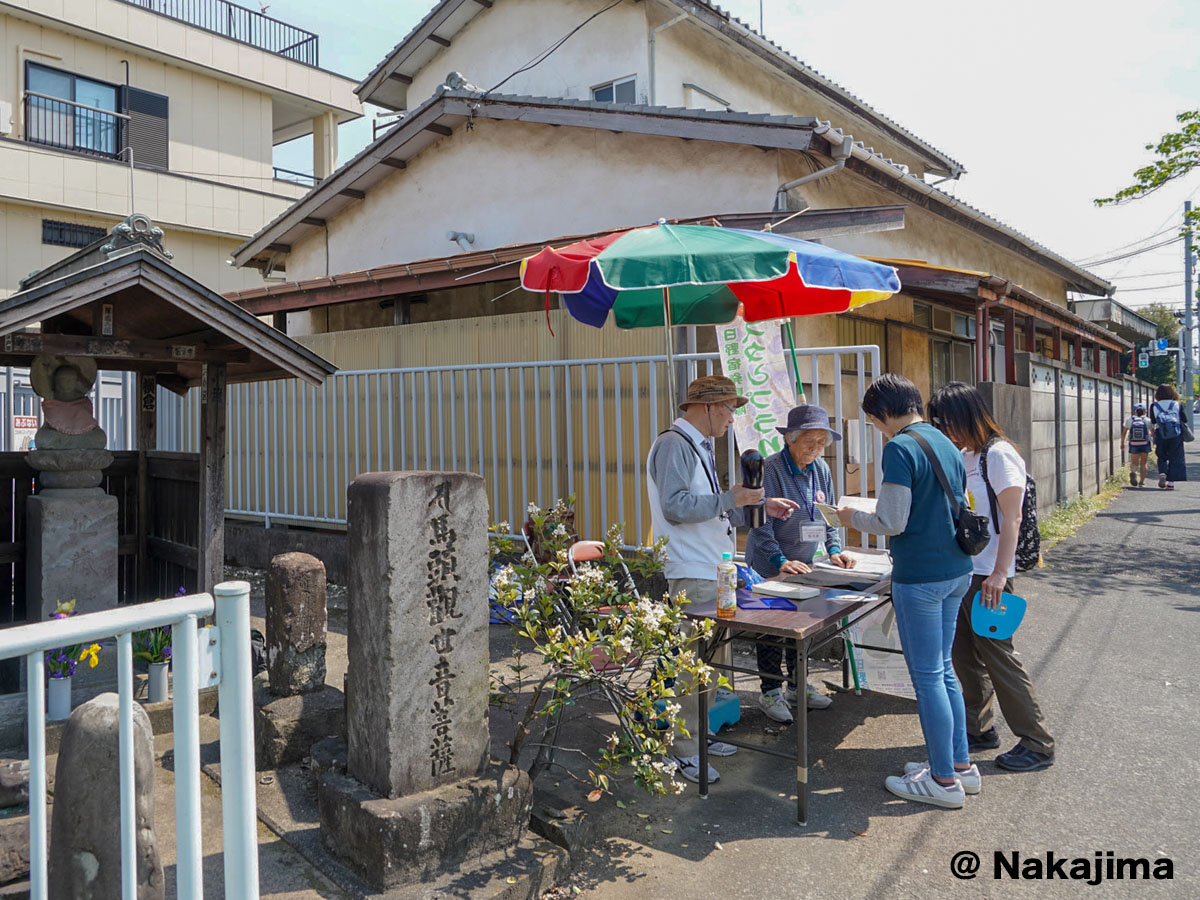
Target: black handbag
point(970, 529)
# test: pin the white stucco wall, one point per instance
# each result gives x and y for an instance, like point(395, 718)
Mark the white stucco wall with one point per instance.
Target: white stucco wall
point(500, 40)
point(509, 183)
point(615, 46)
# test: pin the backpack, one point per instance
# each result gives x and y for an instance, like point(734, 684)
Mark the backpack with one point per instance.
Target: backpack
point(1139, 430)
point(1166, 417)
point(1029, 538)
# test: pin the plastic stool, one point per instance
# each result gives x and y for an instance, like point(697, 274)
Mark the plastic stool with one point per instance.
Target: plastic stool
point(725, 709)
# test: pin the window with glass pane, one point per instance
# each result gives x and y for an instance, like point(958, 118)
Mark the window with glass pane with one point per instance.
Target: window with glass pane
point(70, 111)
point(95, 130)
point(922, 315)
point(964, 362)
point(939, 363)
point(622, 91)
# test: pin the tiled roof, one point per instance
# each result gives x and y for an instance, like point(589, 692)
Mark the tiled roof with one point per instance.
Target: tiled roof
point(891, 170)
point(760, 44)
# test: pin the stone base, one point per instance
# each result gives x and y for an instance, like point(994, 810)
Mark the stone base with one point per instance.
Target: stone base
point(285, 728)
point(14, 848)
point(328, 755)
point(413, 838)
point(71, 551)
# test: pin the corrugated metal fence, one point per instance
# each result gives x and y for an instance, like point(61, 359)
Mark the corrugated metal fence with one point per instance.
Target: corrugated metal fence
point(534, 431)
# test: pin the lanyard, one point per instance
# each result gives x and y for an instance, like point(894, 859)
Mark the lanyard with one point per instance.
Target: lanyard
point(810, 502)
point(712, 478)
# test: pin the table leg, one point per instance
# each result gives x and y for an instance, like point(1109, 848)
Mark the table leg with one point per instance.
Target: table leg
point(702, 723)
point(802, 732)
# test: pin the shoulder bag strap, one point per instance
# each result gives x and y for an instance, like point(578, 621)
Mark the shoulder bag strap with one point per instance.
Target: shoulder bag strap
point(991, 494)
point(955, 506)
point(712, 481)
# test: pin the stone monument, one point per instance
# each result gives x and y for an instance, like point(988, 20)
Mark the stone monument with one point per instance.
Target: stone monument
point(418, 796)
point(72, 523)
point(85, 848)
point(294, 707)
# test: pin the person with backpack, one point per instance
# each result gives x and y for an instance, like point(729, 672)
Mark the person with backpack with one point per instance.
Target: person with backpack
point(1138, 428)
point(1170, 431)
point(988, 669)
point(921, 506)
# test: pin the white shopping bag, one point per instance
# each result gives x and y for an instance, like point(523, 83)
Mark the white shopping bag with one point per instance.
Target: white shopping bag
point(870, 638)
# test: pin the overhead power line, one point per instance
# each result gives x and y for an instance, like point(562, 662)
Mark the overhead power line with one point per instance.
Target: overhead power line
point(1106, 253)
point(1157, 287)
point(1112, 259)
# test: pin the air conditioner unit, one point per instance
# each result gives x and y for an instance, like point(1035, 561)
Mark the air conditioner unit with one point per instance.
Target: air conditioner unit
point(6, 123)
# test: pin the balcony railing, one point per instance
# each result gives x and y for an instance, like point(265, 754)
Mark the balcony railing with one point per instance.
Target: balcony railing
point(240, 24)
point(73, 126)
point(301, 178)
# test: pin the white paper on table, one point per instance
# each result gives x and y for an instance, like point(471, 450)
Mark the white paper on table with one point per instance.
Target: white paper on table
point(873, 565)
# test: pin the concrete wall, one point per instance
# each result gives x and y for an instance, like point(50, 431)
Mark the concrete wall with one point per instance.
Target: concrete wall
point(201, 255)
point(1067, 424)
point(128, 29)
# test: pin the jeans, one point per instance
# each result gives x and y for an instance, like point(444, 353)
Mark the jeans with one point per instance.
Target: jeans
point(926, 616)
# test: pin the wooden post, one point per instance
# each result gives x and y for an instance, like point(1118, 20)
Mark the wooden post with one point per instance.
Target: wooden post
point(1077, 343)
point(1095, 357)
point(982, 356)
point(145, 438)
point(1057, 342)
point(1030, 334)
point(1010, 346)
point(211, 539)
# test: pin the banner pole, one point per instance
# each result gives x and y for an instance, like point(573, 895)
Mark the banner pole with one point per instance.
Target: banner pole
point(787, 327)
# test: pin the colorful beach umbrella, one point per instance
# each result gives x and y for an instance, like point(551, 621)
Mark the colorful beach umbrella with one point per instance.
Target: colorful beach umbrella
point(701, 273)
point(668, 275)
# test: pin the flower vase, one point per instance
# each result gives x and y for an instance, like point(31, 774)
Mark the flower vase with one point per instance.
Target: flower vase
point(58, 699)
point(158, 681)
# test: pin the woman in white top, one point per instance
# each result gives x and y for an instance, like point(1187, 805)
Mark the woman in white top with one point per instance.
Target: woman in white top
point(988, 669)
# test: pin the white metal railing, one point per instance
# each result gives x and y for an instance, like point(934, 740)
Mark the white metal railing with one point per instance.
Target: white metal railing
point(223, 658)
point(535, 431)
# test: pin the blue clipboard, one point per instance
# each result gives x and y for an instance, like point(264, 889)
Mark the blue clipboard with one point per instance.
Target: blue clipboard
point(999, 623)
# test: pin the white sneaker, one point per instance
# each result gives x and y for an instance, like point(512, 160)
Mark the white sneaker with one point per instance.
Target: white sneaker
point(719, 748)
point(689, 768)
point(920, 787)
point(813, 698)
point(775, 706)
point(971, 781)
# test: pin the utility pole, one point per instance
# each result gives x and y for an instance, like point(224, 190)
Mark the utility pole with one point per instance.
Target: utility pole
point(1186, 343)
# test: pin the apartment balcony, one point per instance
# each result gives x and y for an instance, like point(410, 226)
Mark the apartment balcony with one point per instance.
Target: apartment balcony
point(240, 24)
point(73, 126)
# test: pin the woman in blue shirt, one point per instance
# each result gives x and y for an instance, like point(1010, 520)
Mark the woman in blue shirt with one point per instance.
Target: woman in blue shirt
point(930, 575)
point(780, 548)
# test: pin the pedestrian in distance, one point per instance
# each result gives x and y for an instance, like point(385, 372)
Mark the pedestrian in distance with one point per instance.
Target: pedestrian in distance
point(1166, 412)
point(930, 574)
point(690, 508)
point(988, 669)
point(1138, 429)
point(783, 547)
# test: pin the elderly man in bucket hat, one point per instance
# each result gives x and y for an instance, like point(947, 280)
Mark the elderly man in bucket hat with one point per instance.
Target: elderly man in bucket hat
point(779, 548)
point(689, 506)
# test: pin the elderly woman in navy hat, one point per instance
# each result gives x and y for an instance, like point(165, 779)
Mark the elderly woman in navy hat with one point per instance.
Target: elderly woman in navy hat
point(787, 547)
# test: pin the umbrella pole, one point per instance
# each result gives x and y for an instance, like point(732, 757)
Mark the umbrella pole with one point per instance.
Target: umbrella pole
point(670, 355)
point(787, 327)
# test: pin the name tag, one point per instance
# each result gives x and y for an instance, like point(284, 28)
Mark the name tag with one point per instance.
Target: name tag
point(812, 533)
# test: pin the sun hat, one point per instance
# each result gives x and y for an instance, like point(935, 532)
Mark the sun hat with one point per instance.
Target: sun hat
point(808, 416)
point(713, 389)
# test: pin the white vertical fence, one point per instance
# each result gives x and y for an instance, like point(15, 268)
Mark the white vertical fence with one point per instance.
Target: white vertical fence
point(535, 431)
point(201, 657)
point(112, 402)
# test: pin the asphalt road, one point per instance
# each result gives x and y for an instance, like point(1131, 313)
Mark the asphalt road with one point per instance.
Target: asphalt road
point(1111, 640)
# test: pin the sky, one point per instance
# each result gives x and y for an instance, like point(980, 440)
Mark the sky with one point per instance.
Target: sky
point(1047, 103)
